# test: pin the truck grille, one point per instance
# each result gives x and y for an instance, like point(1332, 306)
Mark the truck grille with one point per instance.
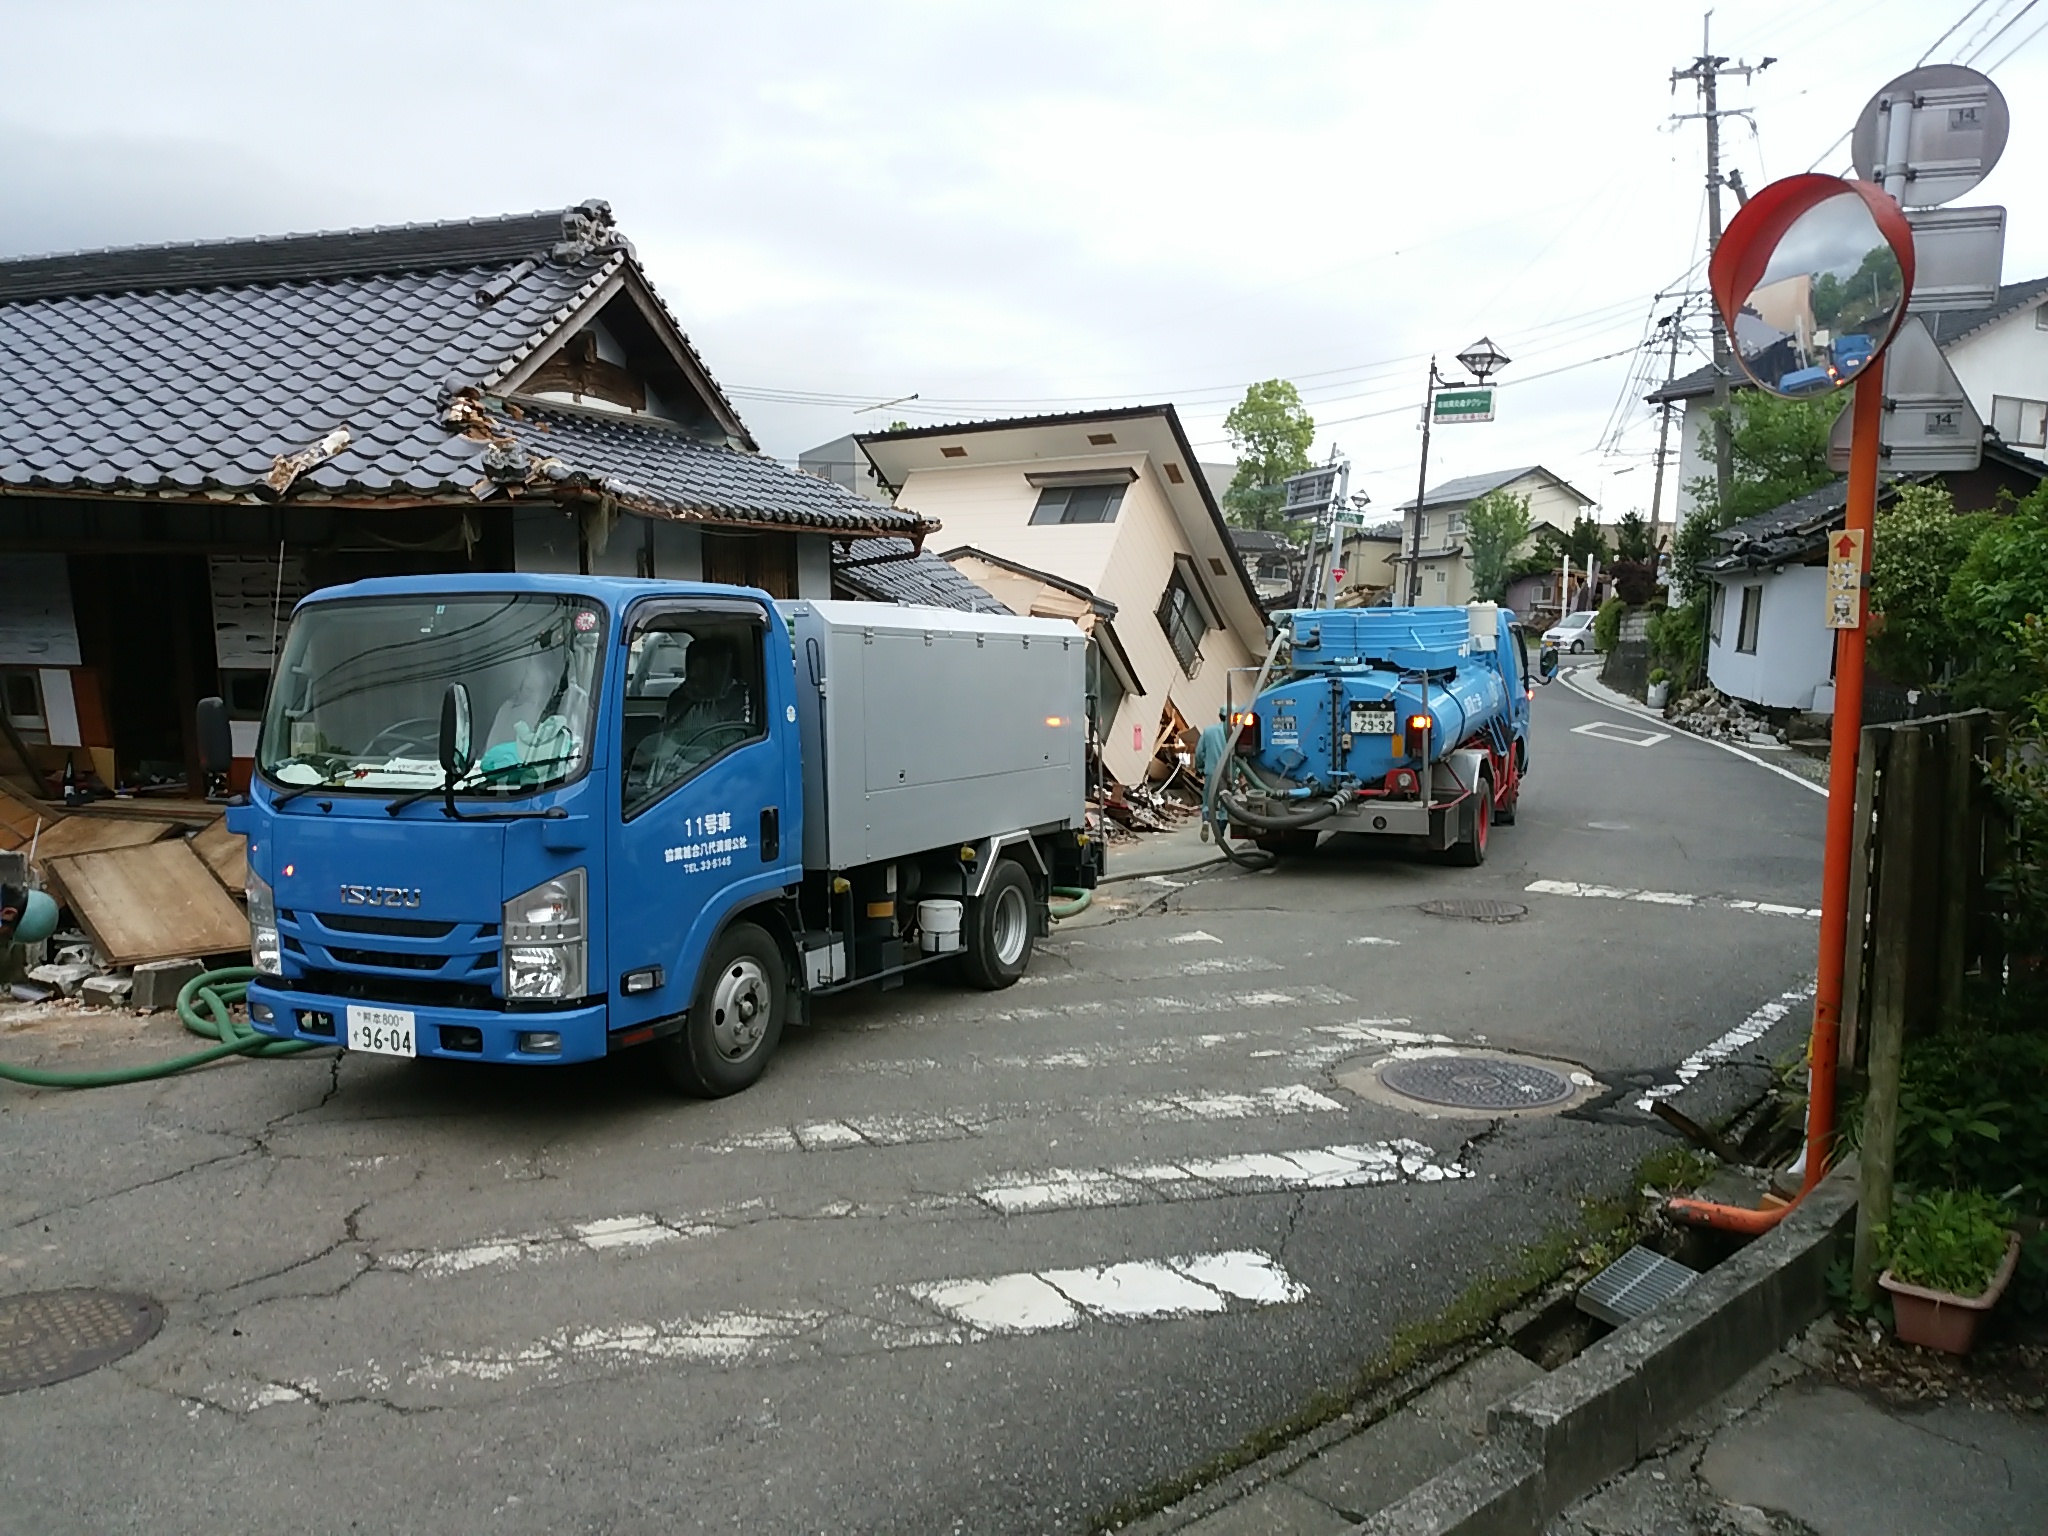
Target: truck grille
point(457, 961)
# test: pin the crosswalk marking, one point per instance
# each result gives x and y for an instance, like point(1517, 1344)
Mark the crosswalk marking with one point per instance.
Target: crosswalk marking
point(1208, 1178)
point(1665, 898)
point(1712, 1054)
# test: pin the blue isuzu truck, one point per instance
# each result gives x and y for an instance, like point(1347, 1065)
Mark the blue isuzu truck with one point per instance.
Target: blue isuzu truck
point(1407, 723)
point(539, 819)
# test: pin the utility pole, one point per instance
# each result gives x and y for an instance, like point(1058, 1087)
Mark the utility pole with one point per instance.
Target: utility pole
point(1670, 323)
point(1705, 73)
point(1411, 586)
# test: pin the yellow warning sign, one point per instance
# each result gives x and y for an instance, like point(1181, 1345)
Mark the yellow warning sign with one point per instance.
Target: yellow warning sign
point(1845, 579)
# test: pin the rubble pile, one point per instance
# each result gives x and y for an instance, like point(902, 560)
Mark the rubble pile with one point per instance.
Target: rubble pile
point(1710, 712)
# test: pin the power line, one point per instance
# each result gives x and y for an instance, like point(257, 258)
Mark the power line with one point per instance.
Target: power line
point(1953, 28)
point(2017, 17)
point(2016, 47)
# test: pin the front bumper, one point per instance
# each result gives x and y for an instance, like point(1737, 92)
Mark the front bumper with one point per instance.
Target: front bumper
point(451, 1034)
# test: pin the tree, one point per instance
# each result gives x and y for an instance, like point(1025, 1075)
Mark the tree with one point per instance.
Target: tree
point(1632, 538)
point(1919, 544)
point(1778, 449)
point(1999, 590)
point(1271, 433)
point(1496, 526)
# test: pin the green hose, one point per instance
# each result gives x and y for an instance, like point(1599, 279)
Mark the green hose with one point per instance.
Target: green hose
point(216, 991)
point(1075, 904)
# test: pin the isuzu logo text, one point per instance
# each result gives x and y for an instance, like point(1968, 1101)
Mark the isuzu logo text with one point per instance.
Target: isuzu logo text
point(379, 896)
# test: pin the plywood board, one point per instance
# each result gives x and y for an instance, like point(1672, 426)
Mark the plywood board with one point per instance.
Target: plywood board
point(95, 834)
point(18, 818)
point(153, 902)
point(225, 853)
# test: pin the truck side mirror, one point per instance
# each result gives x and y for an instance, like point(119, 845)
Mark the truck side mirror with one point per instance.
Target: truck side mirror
point(216, 741)
point(1546, 663)
point(455, 730)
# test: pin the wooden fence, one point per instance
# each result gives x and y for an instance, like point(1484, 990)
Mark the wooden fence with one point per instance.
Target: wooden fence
point(1924, 916)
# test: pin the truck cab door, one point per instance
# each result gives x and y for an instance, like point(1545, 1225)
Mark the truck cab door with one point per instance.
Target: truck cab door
point(702, 779)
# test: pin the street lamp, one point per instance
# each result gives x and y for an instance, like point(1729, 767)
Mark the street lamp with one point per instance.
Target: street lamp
point(1482, 359)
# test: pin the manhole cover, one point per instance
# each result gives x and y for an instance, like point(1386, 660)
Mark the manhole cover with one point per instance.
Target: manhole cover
point(1476, 1082)
point(48, 1336)
point(1479, 911)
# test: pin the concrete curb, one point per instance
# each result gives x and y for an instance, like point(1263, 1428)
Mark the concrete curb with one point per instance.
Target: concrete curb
point(1602, 1412)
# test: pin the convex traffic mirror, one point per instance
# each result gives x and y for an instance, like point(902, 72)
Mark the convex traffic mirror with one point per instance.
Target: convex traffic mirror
point(1811, 280)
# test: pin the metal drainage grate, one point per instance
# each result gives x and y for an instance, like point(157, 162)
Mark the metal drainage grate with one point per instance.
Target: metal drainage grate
point(1476, 1082)
point(48, 1336)
point(1632, 1284)
point(1478, 911)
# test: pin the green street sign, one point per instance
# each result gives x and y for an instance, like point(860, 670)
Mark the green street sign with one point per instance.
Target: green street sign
point(1462, 405)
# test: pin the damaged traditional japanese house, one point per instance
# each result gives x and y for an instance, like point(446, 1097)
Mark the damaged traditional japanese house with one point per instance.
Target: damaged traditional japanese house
point(194, 436)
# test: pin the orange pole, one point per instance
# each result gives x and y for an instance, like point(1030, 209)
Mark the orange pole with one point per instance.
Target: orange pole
point(1847, 736)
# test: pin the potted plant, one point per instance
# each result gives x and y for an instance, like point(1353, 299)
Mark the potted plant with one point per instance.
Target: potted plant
point(1952, 1255)
point(1660, 688)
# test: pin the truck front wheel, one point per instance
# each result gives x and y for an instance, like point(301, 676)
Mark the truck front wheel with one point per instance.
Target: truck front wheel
point(1000, 932)
point(736, 1022)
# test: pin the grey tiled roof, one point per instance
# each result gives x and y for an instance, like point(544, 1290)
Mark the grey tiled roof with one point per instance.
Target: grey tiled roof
point(663, 469)
point(179, 370)
point(886, 571)
point(1472, 487)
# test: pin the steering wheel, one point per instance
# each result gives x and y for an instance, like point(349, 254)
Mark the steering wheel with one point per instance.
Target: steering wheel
point(741, 726)
point(418, 738)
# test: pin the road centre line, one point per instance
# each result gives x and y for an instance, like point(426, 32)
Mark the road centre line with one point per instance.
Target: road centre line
point(1715, 1052)
point(913, 1316)
point(1666, 898)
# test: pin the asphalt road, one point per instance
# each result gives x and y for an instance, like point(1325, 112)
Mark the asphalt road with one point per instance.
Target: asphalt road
point(961, 1262)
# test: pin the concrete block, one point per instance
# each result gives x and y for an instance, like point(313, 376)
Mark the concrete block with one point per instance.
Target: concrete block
point(1607, 1408)
point(105, 991)
point(65, 976)
point(157, 983)
point(1275, 1510)
point(1496, 1492)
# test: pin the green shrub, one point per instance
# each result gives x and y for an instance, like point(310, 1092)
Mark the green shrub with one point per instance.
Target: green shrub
point(1947, 1240)
point(1607, 624)
point(1920, 544)
point(2000, 583)
point(1972, 1114)
point(1659, 675)
point(1675, 639)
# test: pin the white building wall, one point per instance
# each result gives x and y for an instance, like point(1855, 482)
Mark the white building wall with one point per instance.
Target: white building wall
point(1695, 428)
point(1794, 647)
point(2009, 359)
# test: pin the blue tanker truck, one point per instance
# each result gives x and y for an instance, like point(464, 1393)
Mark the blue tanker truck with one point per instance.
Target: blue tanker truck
point(539, 819)
point(1408, 723)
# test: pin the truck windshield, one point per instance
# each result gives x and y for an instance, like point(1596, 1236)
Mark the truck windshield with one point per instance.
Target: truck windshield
point(356, 703)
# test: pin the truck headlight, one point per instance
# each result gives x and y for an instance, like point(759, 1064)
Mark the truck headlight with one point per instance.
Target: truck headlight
point(546, 953)
point(266, 954)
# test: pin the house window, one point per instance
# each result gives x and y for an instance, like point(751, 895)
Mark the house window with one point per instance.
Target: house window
point(24, 700)
point(1715, 609)
point(2021, 423)
point(1078, 504)
point(1457, 525)
point(1181, 616)
point(2041, 318)
point(1752, 612)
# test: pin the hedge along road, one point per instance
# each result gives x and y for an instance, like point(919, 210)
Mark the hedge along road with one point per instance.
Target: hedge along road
point(1000, 1261)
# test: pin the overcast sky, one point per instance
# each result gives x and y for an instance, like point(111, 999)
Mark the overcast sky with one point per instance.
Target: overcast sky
point(1013, 208)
